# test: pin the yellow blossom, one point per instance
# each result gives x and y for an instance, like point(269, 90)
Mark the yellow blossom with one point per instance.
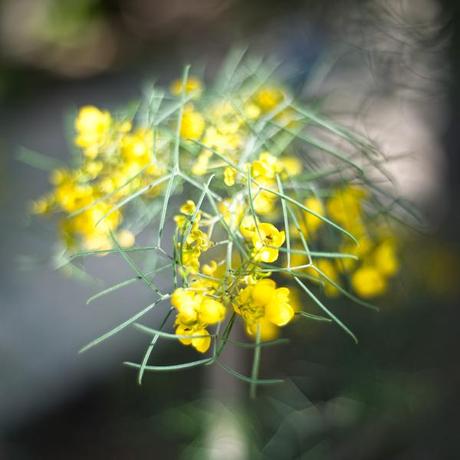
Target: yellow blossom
point(196, 241)
point(385, 258)
point(291, 166)
point(192, 124)
point(268, 98)
point(230, 176)
point(226, 119)
point(137, 147)
point(93, 168)
point(248, 226)
point(92, 126)
point(368, 282)
point(264, 203)
point(188, 208)
point(266, 241)
point(264, 302)
point(345, 206)
point(195, 312)
point(126, 238)
point(193, 86)
point(210, 269)
point(211, 311)
point(266, 167)
point(222, 142)
point(312, 222)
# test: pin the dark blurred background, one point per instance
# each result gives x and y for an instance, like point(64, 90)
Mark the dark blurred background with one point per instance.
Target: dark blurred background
point(388, 67)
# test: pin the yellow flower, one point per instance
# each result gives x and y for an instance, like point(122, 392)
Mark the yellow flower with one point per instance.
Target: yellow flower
point(261, 303)
point(97, 242)
point(226, 118)
point(211, 311)
point(210, 269)
point(248, 226)
point(266, 167)
point(192, 125)
point(288, 117)
point(198, 337)
point(137, 147)
point(193, 86)
point(188, 208)
point(312, 222)
point(126, 238)
point(268, 98)
point(71, 196)
point(345, 206)
point(291, 166)
point(186, 303)
point(264, 203)
point(226, 143)
point(196, 242)
point(264, 171)
point(195, 312)
point(266, 241)
point(268, 330)
point(230, 176)
point(93, 168)
point(92, 126)
point(191, 260)
point(368, 282)
point(385, 258)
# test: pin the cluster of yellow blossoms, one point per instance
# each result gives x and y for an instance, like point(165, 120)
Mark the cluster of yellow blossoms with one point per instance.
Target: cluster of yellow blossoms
point(116, 161)
point(257, 210)
point(376, 249)
point(244, 288)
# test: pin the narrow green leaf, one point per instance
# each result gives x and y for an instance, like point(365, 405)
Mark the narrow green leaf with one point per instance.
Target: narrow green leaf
point(121, 326)
point(326, 310)
point(37, 160)
point(246, 379)
point(174, 367)
point(313, 317)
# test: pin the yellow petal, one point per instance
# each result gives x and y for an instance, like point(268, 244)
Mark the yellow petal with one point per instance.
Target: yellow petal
point(263, 291)
point(279, 313)
point(211, 311)
point(268, 330)
point(184, 330)
point(201, 344)
point(248, 227)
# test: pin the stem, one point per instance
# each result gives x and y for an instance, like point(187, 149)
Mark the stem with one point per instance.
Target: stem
point(255, 365)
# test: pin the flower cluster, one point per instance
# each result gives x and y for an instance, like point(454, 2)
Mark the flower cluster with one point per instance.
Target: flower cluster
point(116, 161)
point(273, 215)
point(376, 259)
point(211, 288)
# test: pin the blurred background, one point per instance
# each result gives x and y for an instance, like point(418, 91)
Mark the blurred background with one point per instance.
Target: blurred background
point(390, 68)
